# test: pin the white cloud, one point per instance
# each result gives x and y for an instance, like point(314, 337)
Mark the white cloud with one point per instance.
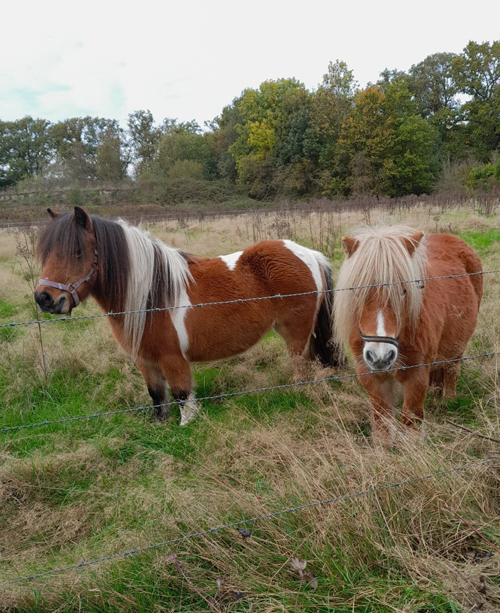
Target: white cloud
point(190, 58)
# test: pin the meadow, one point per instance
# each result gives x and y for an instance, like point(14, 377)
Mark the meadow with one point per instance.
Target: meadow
point(83, 490)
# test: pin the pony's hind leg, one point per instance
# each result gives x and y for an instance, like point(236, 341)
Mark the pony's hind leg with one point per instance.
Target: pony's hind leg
point(156, 383)
point(297, 339)
point(177, 372)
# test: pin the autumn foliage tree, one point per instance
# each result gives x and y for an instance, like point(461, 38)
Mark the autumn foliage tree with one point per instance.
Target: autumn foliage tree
point(391, 138)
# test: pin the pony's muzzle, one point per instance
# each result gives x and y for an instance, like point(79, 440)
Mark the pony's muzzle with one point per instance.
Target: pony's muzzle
point(48, 305)
point(379, 356)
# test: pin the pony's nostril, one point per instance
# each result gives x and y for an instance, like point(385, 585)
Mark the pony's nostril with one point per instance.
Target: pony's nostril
point(44, 299)
point(391, 356)
point(369, 356)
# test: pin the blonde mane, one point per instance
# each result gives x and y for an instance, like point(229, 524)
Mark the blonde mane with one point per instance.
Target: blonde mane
point(381, 256)
point(158, 276)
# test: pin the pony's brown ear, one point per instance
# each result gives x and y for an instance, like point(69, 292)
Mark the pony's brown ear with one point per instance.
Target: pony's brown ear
point(52, 213)
point(82, 218)
point(349, 245)
point(413, 241)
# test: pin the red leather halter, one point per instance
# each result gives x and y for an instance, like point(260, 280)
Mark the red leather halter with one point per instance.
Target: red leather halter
point(72, 287)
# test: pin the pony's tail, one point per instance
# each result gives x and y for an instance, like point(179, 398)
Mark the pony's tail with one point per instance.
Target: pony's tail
point(323, 345)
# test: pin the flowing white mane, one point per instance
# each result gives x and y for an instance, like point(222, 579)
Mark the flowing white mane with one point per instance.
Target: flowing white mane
point(158, 275)
point(381, 256)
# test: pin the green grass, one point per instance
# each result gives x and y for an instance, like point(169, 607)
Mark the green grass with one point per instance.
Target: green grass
point(7, 313)
point(482, 241)
point(115, 460)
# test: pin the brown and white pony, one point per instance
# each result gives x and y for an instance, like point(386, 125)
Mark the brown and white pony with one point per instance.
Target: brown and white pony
point(405, 324)
point(125, 269)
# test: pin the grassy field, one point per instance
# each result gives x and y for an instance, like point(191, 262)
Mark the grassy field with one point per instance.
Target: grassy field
point(94, 488)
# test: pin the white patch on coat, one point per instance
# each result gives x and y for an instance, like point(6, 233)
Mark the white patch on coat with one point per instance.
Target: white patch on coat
point(178, 317)
point(316, 262)
point(310, 258)
point(231, 259)
point(141, 248)
point(189, 409)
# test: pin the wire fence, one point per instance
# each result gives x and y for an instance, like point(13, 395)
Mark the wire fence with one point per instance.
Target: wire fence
point(336, 378)
point(246, 392)
point(252, 520)
point(243, 300)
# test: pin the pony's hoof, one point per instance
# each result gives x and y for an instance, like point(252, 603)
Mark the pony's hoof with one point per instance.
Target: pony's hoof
point(189, 411)
point(186, 419)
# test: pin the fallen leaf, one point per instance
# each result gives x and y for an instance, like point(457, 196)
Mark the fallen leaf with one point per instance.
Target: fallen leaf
point(245, 532)
point(482, 581)
point(311, 579)
point(219, 582)
point(298, 564)
point(173, 559)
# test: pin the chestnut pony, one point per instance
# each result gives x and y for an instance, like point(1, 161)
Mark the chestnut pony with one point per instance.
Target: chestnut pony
point(125, 269)
point(405, 324)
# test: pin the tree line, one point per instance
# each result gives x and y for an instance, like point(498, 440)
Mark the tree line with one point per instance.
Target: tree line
point(392, 138)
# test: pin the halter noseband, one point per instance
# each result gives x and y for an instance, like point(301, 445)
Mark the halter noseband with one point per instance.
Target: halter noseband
point(386, 339)
point(379, 339)
point(72, 287)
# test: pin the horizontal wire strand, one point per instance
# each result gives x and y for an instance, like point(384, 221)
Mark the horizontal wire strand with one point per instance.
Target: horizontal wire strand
point(240, 393)
point(242, 300)
point(253, 520)
point(246, 392)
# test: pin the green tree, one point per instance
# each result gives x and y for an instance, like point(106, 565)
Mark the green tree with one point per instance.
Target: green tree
point(433, 84)
point(111, 160)
point(331, 104)
point(365, 145)
point(270, 134)
point(477, 74)
point(222, 135)
point(387, 147)
point(26, 149)
point(263, 116)
point(181, 142)
point(144, 137)
point(77, 141)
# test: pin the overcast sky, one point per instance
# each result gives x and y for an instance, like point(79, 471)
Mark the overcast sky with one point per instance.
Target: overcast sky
point(188, 59)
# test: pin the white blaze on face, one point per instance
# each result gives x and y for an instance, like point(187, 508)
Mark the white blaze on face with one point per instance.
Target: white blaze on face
point(380, 356)
point(231, 260)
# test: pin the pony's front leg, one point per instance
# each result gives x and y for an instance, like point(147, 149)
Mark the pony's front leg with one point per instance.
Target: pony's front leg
point(415, 386)
point(156, 383)
point(380, 388)
point(451, 374)
point(177, 372)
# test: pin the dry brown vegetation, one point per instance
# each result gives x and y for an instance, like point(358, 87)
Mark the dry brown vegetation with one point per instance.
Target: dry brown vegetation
point(96, 488)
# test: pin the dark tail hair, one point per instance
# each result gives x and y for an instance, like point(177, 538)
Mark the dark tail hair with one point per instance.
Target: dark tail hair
point(323, 344)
